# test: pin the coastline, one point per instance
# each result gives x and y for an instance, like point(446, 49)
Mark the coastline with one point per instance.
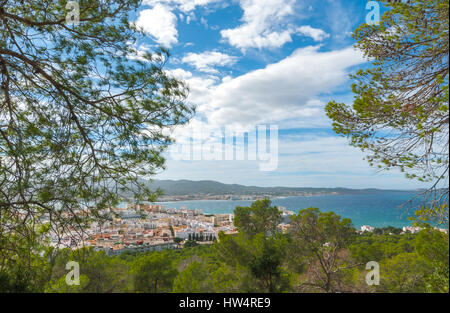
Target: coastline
point(233, 197)
point(375, 209)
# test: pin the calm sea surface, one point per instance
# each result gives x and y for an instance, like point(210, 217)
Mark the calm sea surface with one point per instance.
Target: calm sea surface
point(378, 210)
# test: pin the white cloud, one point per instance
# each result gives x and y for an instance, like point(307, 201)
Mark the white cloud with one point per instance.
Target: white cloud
point(206, 61)
point(286, 93)
point(199, 87)
point(160, 23)
point(182, 5)
point(315, 33)
point(280, 91)
point(264, 24)
point(179, 73)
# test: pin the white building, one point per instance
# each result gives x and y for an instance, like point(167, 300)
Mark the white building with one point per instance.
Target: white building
point(412, 229)
point(367, 228)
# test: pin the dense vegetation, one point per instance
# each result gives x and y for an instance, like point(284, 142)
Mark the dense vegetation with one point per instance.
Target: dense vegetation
point(82, 120)
point(83, 115)
point(321, 252)
point(400, 113)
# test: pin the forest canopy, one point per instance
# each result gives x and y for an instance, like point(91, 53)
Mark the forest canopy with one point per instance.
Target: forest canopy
point(82, 115)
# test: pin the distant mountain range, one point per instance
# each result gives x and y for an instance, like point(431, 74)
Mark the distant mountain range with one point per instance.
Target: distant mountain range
point(208, 189)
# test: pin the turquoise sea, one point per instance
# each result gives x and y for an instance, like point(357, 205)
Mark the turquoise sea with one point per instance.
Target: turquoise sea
point(377, 210)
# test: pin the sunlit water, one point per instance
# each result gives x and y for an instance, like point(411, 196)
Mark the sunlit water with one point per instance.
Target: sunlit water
point(378, 210)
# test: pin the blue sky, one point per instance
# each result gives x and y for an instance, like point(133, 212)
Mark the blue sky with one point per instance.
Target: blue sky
point(261, 62)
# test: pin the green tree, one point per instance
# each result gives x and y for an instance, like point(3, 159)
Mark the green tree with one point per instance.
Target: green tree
point(82, 113)
point(154, 273)
point(400, 114)
point(266, 264)
point(205, 274)
point(26, 267)
point(177, 240)
point(371, 247)
point(193, 279)
point(103, 274)
point(403, 273)
point(259, 217)
point(433, 247)
point(190, 244)
point(60, 286)
point(258, 249)
point(226, 279)
point(320, 238)
point(258, 261)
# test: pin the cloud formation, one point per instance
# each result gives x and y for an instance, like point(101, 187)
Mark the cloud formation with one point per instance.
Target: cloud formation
point(205, 62)
point(264, 24)
point(280, 91)
point(315, 33)
point(182, 5)
point(160, 23)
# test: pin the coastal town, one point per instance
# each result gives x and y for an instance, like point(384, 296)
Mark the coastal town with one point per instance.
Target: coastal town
point(251, 197)
point(153, 227)
point(404, 229)
point(148, 227)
